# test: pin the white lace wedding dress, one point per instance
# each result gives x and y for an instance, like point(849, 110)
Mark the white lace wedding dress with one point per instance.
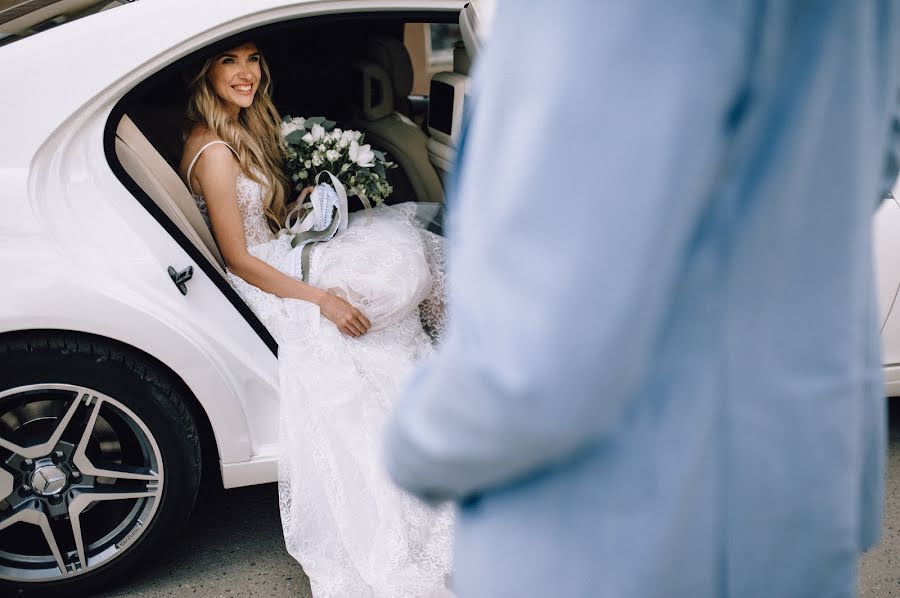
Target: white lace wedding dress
point(355, 534)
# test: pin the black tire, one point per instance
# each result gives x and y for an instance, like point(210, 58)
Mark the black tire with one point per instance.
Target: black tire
point(156, 401)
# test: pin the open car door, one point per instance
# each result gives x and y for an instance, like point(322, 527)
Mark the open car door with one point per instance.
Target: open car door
point(475, 22)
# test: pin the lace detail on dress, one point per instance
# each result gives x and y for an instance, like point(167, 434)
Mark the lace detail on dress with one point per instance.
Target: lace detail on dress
point(432, 311)
point(249, 196)
point(353, 531)
point(355, 534)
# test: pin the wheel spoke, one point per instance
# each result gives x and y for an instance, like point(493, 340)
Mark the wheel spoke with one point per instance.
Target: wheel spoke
point(84, 464)
point(7, 483)
point(37, 517)
point(40, 450)
point(85, 499)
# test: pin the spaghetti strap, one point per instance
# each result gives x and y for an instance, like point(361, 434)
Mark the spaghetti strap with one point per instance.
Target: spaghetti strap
point(197, 156)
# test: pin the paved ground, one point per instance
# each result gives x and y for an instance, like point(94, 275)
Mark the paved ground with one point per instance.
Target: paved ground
point(233, 548)
point(879, 572)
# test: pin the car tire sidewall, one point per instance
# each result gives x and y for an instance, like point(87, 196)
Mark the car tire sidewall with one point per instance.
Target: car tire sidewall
point(147, 393)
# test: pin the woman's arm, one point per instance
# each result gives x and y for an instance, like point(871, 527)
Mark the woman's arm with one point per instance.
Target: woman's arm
point(299, 199)
point(217, 171)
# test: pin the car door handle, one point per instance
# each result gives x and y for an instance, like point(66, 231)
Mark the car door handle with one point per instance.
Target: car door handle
point(180, 278)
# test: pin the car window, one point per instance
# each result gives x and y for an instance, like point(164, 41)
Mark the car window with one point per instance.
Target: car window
point(21, 18)
point(430, 47)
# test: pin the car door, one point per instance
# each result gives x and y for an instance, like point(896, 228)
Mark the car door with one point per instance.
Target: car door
point(475, 22)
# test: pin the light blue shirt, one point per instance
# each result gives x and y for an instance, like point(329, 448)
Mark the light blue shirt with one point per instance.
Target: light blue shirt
point(662, 377)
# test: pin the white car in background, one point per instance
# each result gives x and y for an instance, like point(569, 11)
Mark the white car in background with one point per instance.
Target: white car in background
point(128, 365)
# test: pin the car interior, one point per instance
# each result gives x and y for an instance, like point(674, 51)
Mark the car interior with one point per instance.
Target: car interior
point(354, 69)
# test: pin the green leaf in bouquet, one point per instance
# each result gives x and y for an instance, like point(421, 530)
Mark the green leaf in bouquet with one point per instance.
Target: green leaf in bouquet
point(379, 155)
point(319, 120)
point(295, 136)
point(379, 169)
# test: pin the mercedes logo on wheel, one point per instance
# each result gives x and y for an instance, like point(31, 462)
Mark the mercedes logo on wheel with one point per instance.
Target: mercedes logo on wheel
point(49, 480)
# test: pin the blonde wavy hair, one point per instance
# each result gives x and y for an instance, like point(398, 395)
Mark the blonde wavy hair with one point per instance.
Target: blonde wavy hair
point(255, 135)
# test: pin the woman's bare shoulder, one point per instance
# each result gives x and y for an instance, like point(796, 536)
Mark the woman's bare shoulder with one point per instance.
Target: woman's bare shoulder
point(197, 138)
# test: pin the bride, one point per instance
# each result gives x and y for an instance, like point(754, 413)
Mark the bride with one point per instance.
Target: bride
point(347, 339)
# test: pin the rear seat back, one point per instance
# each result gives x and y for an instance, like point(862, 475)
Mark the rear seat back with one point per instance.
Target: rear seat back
point(157, 178)
point(387, 129)
point(390, 54)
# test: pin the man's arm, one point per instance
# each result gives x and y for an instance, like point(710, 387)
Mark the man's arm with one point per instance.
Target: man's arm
point(599, 131)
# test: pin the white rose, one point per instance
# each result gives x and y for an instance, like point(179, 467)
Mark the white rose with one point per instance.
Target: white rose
point(299, 121)
point(332, 155)
point(362, 154)
point(308, 138)
point(343, 143)
point(317, 159)
point(318, 132)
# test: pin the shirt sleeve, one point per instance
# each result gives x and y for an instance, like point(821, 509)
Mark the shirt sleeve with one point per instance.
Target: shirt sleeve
point(599, 132)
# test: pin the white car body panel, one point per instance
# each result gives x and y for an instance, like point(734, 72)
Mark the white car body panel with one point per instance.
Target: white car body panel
point(77, 250)
point(887, 261)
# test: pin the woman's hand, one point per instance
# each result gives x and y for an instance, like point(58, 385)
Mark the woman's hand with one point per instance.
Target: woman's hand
point(347, 318)
point(299, 199)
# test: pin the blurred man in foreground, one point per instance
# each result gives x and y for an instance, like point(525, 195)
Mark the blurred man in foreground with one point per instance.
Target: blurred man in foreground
point(662, 377)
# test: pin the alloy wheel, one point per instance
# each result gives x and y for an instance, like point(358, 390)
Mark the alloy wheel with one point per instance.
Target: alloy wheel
point(81, 477)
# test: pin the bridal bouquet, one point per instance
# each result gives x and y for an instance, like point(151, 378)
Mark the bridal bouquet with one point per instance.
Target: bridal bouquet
point(314, 146)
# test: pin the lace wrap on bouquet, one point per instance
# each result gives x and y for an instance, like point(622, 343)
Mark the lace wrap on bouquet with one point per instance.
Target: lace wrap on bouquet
point(327, 215)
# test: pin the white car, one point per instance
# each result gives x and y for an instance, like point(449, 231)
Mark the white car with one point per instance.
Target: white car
point(128, 365)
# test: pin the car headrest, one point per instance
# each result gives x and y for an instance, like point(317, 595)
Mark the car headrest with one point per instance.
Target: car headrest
point(373, 90)
point(390, 54)
point(445, 107)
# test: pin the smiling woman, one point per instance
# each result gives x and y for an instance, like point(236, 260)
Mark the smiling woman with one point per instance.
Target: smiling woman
point(224, 106)
point(235, 76)
point(359, 302)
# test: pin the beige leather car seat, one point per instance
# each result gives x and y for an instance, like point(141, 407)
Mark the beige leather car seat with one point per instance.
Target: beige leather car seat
point(390, 54)
point(395, 133)
point(158, 180)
